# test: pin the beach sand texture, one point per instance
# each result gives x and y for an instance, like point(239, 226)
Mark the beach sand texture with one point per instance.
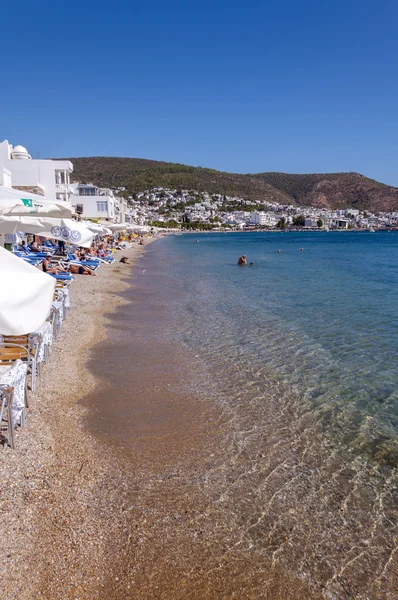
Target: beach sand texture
point(54, 517)
point(85, 515)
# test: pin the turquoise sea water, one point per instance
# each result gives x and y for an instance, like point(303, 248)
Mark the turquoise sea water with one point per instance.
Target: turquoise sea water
point(294, 363)
point(300, 351)
point(323, 321)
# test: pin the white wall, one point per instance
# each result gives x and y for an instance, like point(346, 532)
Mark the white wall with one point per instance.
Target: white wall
point(259, 218)
point(33, 172)
point(4, 150)
point(89, 204)
point(5, 177)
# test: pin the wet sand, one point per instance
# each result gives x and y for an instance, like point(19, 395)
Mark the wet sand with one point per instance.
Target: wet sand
point(168, 438)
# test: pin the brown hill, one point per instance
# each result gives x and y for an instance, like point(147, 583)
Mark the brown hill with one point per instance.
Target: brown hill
point(329, 190)
point(335, 190)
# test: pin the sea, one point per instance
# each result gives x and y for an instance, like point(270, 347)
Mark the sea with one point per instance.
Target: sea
point(293, 363)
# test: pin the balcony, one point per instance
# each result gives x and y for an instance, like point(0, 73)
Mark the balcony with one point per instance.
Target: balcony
point(63, 188)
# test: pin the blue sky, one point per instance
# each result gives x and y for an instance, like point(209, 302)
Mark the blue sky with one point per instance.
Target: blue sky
point(294, 86)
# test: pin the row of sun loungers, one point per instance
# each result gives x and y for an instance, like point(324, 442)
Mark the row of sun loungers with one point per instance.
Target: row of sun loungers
point(22, 357)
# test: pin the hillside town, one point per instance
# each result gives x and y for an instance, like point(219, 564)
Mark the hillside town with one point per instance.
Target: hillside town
point(192, 209)
point(171, 208)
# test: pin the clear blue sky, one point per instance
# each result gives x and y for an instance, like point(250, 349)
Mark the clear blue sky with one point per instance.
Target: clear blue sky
point(295, 86)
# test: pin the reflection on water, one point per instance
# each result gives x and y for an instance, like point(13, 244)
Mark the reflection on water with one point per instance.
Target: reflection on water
point(268, 395)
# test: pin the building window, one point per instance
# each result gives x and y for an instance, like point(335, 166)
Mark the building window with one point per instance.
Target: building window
point(88, 191)
point(102, 206)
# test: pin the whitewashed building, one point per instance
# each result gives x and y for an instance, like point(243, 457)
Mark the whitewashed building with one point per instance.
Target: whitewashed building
point(93, 202)
point(46, 177)
point(259, 218)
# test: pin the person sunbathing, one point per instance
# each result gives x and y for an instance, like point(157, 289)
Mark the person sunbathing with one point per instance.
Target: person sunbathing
point(81, 254)
point(34, 247)
point(48, 268)
point(80, 270)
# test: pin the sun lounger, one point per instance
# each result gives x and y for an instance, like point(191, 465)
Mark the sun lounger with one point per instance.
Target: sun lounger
point(29, 351)
point(13, 372)
point(6, 400)
point(92, 263)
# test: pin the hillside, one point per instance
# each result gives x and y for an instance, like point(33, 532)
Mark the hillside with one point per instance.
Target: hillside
point(139, 174)
point(329, 190)
point(335, 190)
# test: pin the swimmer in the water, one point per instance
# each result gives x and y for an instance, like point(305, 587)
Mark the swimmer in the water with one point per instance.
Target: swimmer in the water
point(279, 251)
point(252, 264)
point(301, 249)
point(242, 260)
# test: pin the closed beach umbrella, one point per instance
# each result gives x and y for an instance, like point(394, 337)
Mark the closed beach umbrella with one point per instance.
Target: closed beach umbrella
point(18, 203)
point(26, 295)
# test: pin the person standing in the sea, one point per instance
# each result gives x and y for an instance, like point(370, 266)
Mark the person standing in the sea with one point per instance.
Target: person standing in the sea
point(242, 260)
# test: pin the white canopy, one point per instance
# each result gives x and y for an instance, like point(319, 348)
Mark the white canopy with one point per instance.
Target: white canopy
point(140, 228)
point(75, 232)
point(97, 228)
point(119, 226)
point(67, 230)
point(15, 224)
point(16, 202)
point(26, 295)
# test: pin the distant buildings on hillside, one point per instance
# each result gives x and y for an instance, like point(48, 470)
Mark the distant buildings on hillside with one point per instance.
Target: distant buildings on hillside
point(162, 206)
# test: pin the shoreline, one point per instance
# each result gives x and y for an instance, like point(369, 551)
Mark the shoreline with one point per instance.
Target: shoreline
point(172, 537)
point(129, 481)
point(83, 520)
point(51, 498)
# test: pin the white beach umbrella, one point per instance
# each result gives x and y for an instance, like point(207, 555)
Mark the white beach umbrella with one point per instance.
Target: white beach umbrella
point(67, 230)
point(75, 232)
point(97, 228)
point(140, 228)
point(15, 224)
point(119, 226)
point(19, 203)
point(26, 295)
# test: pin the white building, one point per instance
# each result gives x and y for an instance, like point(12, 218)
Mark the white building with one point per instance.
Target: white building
point(259, 218)
point(46, 177)
point(93, 202)
point(352, 212)
point(122, 213)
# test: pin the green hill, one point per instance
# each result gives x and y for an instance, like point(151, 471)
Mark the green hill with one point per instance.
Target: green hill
point(138, 174)
point(329, 190)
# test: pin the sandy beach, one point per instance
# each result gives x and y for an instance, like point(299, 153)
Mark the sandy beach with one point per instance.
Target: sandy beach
point(84, 518)
point(55, 515)
point(142, 473)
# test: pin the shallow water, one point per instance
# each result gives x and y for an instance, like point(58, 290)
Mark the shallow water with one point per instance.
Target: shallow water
point(268, 393)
